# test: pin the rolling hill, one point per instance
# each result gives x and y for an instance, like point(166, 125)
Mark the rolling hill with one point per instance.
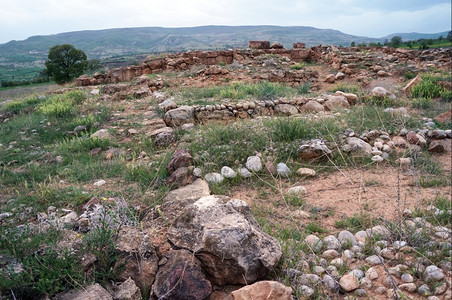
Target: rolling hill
point(20, 60)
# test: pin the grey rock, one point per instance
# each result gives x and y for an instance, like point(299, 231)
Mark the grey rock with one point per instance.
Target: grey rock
point(314, 242)
point(433, 273)
point(330, 283)
point(357, 273)
point(424, 290)
point(371, 273)
point(358, 147)
point(227, 172)
point(243, 172)
point(179, 116)
point(330, 254)
point(374, 260)
point(360, 293)
point(407, 278)
point(306, 291)
point(331, 242)
point(409, 287)
point(297, 190)
point(254, 163)
point(283, 170)
point(346, 237)
point(313, 149)
point(127, 290)
point(214, 177)
point(226, 239)
point(309, 279)
point(91, 292)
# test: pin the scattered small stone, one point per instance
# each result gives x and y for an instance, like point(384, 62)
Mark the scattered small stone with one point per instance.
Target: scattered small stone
point(254, 164)
point(243, 172)
point(409, 287)
point(197, 172)
point(214, 177)
point(424, 290)
point(330, 283)
point(407, 278)
point(380, 290)
point(433, 273)
point(360, 293)
point(374, 260)
point(297, 190)
point(346, 237)
point(306, 291)
point(331, 242)
point(100, 183)
point(227, 172)
point(377, 158)
point(314, 242)
point(306, 172)
point(349, 282)
point(283, 170)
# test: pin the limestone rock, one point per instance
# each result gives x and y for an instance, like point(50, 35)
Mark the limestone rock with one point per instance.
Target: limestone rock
point(297, 190)
point(268, 290)
point(243, 172)
point(336, 102)
point(167, 105)
point(381, 92)
point(226, 239)
point(214, 177)
point(254, 163)
point(181, 278)
point(312, 106)
point(92, 292)
point(313, 149)
point(433, 273)
point(179, 116)
point(137, 257)
point(358, 147)
point(227, 172)
point(306, 172)
point(283, 170)
point(127, 290)
point(349, 282)
point(347, 237)
point(194, 191)
point(286, 109)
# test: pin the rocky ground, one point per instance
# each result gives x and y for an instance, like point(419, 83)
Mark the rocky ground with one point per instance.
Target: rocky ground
point(318, 173)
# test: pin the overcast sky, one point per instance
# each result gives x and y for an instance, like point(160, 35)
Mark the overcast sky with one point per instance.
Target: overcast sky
point(20, 19)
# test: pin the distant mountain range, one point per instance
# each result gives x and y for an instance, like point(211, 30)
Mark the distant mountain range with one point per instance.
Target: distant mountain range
point(30, 54)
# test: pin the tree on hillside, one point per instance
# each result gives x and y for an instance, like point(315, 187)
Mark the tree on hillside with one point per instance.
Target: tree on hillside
point(65, 62)
point(396, 41)
point(449, 36)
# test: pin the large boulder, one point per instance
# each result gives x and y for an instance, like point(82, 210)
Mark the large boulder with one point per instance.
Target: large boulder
point(181, 277)
point(336, 102)
point(181, 158)
point(286, 109)
point(313, 105)
point(268, 290)
point(137, 257)
point(381, 92)
point(179, 116)
point(226, 239)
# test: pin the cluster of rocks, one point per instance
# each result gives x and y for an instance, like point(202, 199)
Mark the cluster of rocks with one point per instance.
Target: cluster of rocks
point(369, 263)
point(378, 144)
point(186, 60)
point(249, 109)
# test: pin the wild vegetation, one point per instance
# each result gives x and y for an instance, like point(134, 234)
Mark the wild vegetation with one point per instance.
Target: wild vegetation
point(52, 162)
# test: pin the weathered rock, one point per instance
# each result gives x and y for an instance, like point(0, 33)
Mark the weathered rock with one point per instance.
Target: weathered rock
point(314, 242)
point(416, 139)
point(440, 146)
point(268, 290)
point(374, 260)
point(162, 136)
point(306, 172)
point(297, 190)
point(283, 170)
point(181, 278)
point(254, 163)
point(167, 105)
point(351, 98)
point(214, 177)
point(199, 188)
point(243, 172)
point(259, 44)
point(329, 78)
point(127, 290)
point(336, 102)
point(433, 273)
point(330, 283)
point(179, 116)
point(285, 109)
point(331, 242)
point(413, 82)
point(181, 177)
point(181, 158)
point(381, 92)
point(269, 167)
point(102, 134)
point(349, 282)
point(227, 172)
point(312, 106)
point(92, 292)
point(137, 257)
point(371, 273)
point(409, 287)
point(346, 237)
point(313, 149)
point(226, 239)
point(222, 115)
point(358, 147)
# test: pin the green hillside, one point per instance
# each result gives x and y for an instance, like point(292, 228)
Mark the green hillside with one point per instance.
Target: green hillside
point(22, 60)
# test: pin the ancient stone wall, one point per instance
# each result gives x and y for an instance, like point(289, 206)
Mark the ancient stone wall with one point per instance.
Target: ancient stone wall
point(185, 61)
